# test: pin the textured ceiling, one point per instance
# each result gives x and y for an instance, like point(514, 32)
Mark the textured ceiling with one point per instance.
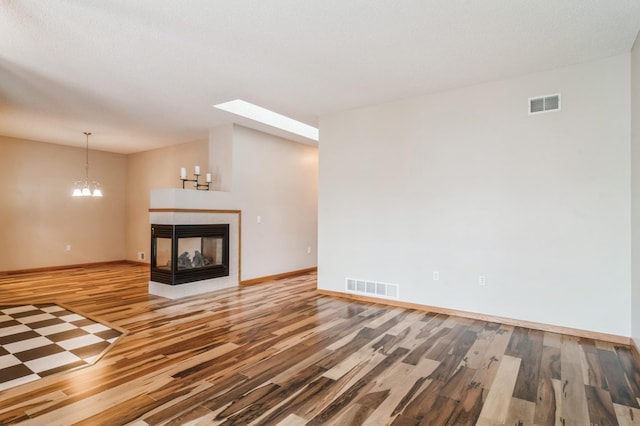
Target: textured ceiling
point(141, 74)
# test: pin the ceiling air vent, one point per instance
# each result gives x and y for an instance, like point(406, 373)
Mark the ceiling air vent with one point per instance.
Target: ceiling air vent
point(544, 103)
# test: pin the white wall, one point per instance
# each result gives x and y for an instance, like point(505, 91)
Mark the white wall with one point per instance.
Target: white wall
point(275, 179)
point(466, 183)
point(261, 175)
point(267, 176)
point(221, 156)
point(635, 191)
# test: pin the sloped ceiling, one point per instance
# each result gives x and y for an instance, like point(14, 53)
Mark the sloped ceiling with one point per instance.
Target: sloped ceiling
point(142, 74)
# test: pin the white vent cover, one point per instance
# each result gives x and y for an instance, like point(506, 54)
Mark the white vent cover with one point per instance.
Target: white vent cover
point(544, 104)
point(372, 288)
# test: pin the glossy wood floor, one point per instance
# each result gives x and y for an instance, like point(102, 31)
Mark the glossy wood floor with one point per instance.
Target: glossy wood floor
point(279, 353)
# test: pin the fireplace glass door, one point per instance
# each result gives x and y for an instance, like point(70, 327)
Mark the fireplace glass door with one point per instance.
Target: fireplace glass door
point(199, 252)
point(187, 253)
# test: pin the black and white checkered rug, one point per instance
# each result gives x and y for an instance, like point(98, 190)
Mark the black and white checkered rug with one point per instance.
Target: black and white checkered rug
point(42, 339)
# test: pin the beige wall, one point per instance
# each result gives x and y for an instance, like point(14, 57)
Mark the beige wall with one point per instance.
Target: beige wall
point(158, 168)
point(38, 215)
point(272, 177)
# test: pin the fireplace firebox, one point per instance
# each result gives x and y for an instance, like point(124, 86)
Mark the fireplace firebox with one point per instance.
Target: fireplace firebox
point(187, 253)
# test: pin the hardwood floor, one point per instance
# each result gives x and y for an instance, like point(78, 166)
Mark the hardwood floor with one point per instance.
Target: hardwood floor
point(279, 353)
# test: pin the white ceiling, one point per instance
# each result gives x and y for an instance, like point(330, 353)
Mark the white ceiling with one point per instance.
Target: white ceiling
point(141, 74)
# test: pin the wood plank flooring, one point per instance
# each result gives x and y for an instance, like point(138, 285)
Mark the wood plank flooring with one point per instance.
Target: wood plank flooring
point(279, 353)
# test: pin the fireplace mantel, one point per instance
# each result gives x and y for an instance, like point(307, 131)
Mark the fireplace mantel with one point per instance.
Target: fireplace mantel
point(189, 199)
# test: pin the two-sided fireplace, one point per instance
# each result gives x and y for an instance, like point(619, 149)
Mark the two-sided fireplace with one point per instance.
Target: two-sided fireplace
point(187, 253)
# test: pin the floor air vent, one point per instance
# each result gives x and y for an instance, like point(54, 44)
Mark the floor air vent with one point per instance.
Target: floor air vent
point(372, 288)
point(544, 104)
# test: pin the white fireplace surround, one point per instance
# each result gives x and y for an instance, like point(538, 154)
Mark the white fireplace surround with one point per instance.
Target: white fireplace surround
point(167, 213)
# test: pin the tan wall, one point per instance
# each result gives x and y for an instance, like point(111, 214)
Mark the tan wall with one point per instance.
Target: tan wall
point(41, 217)
point(38, 215)
point(158, 168)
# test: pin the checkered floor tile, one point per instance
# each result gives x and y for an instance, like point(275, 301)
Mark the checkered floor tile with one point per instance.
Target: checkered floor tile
point(40, 340)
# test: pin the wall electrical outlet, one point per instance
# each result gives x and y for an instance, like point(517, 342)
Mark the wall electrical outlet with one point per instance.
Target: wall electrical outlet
point(259, 219)
point(482, 280)
point(67, 247)
point(436, 276)
point(309, 250)
point(140, 255)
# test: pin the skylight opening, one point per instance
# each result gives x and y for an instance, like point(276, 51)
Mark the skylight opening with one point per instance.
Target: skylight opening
point(268, 117)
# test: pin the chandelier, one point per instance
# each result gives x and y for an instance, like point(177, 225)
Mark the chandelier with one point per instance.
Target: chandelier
point(84, 188)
